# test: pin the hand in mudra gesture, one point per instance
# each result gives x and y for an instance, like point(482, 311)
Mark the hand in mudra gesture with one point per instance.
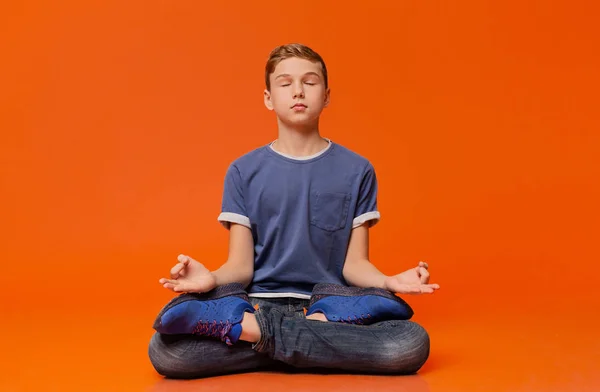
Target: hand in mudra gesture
point(189, 275)
point(412, 281)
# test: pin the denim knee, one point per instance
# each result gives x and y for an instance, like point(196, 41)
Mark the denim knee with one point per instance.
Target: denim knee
point(170, 360)
point(407, 350)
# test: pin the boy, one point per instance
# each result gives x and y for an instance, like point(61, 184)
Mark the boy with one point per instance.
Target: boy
point(298, 281)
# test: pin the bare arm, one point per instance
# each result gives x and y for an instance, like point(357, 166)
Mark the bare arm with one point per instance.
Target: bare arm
point(358, 270)
point(239, 266)
point(189, 275)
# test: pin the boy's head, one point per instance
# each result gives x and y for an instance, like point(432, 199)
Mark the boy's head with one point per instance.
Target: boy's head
point(296, 84)
point(284, 52)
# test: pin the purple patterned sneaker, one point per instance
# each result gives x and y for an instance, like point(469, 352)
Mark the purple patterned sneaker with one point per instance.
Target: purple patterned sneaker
point(357, 305)
point(216, 314)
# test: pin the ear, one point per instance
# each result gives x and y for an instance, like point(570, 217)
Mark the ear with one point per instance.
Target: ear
point(267, 99)
point(327, 97)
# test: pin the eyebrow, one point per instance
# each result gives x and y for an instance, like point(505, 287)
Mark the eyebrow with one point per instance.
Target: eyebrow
point(308, 73)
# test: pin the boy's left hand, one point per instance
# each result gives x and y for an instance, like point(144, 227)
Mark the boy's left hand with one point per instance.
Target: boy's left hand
point(412, 281)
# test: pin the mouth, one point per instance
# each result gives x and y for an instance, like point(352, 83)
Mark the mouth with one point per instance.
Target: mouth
point(299, 106)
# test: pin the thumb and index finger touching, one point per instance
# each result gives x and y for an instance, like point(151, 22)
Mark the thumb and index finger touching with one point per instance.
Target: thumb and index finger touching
point(423, 273)
point(184, 259)
point(178, 269)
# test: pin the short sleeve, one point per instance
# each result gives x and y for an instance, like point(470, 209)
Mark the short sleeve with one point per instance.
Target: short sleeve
point(233, 208)
point(366, 209)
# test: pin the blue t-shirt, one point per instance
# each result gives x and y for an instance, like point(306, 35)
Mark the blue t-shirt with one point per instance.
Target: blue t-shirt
point(301, 212)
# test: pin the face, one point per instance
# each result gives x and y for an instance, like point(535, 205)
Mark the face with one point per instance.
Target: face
point(298, 94)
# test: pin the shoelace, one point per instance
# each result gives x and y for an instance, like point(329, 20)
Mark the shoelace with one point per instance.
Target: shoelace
point(356, 320)
point(214, 329)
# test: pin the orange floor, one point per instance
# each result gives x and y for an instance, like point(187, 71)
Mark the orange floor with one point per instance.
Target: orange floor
point(93, 348)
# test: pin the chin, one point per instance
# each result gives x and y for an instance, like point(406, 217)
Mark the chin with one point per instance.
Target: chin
point(299, 119)
point(299, 122)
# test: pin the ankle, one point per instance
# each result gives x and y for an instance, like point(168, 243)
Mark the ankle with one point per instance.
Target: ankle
point(250, 328)
point(317, 316)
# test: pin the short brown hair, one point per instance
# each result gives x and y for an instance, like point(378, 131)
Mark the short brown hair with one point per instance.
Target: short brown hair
point(288, 51)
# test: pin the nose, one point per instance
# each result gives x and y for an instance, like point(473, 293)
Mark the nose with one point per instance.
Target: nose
point(298, 91)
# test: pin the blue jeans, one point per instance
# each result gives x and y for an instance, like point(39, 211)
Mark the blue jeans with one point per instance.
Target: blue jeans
point(290, 342)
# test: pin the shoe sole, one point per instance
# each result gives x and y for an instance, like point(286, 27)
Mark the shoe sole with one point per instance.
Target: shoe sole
point(322, 290)
point(226, 290)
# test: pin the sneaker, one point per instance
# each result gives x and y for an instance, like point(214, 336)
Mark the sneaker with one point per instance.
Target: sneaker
point(357, 305)
point(217, 313)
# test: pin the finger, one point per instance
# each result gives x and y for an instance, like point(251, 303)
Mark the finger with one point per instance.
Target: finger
point(169, 281)
point(423, 264)
point(424, 275)
point(176, 270)
point(422, 289)
point(174, 285)
point(407, 289)
point(184, 286)
point(172, 282)
point(185, 259)
point(430, 288)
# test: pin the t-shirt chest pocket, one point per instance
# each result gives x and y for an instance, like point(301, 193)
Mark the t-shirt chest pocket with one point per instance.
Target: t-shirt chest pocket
point(329, 210)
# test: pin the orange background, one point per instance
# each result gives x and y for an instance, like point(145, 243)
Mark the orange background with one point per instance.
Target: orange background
point(119, 119)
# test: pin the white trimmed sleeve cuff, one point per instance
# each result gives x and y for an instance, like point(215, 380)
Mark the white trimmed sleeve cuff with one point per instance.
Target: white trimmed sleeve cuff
point(226, 218)
point(372, 217)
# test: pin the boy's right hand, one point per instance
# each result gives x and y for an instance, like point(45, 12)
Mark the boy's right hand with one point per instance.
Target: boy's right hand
point(188, 275)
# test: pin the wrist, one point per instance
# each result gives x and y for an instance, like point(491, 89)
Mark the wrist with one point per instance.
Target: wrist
point(216, 279)
point(362, 273)
point(384, 283)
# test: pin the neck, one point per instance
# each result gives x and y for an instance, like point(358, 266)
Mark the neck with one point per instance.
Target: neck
point(299, 142)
